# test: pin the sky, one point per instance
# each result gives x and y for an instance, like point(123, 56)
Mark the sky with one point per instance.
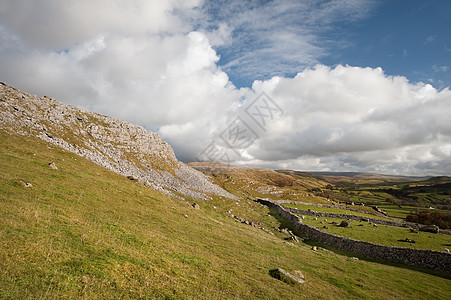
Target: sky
point(316, 85)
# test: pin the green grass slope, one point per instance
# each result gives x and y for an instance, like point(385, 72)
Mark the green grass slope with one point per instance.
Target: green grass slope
point(82, 232)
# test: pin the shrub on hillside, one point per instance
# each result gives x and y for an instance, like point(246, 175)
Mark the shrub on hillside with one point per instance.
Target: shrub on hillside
point(426, 217)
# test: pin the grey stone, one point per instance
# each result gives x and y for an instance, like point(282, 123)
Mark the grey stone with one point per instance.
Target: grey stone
point(26, 184)
point(299, 274)
point(53, 166)
point(407, 240)
point(284, 276)
point(344, 223)
point(430, 228)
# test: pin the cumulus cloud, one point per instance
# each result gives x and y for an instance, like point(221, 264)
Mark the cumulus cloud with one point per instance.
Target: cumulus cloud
point(51, 24)
point(360, 117)
point(154, 63)
point(130, 59)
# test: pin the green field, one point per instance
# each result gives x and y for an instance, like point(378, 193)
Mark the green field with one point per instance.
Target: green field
point(402, 212)
point(334, 211)
point(83, 232)
point(382, 234)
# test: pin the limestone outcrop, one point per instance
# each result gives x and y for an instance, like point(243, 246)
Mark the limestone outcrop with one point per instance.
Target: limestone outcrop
point(124, 148)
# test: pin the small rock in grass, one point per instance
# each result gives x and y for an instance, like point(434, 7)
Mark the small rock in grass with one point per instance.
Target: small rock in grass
point(284, 276)
point(407, 240)
point(324, 249)
point(299, 274)
point(26, 184)
point(344, 223)
point(288, 243)
point(53, 166)
point(314, 248)
point(186, 216)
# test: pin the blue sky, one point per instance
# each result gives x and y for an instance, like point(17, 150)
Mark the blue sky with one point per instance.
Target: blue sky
point(364, 85)
point(405, 37)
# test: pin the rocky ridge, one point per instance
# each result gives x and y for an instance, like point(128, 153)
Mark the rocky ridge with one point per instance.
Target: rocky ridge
point(124, 148)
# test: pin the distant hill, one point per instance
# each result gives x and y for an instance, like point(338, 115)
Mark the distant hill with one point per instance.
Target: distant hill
point(358, 178)
point(260, 182)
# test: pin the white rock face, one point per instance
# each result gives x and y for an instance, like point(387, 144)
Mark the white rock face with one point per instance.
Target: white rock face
point(122, 147)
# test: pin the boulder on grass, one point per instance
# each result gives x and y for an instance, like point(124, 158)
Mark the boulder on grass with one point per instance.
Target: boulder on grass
point(53, 166)
point(344, 223)
point(430, 228)
point(284, 276)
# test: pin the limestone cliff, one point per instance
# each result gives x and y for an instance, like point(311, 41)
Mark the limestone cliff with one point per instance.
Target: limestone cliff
point(122, 147)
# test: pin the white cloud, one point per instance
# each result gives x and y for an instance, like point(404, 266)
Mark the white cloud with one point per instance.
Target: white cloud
point(360, 117)
point(280, 37)
point(51, 24)
point(436, 68)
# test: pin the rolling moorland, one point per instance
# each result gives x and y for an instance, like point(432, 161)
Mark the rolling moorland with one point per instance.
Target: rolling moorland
point(71, 227)
point(399, 196)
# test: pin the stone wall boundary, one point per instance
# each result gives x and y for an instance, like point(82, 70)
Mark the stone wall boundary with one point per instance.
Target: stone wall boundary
point(348, 217)
point(328, 206)
point(414, 257)
point(393, 222)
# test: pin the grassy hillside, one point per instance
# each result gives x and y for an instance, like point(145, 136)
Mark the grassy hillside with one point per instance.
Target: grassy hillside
point(87, 233)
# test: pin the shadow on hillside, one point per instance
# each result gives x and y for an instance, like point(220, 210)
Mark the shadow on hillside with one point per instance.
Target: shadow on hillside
point(286, 224)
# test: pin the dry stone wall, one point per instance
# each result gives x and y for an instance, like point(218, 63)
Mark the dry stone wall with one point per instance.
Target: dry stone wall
point(344, 216)
point(421, 258)
point(393, 222)
point(322, 205)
